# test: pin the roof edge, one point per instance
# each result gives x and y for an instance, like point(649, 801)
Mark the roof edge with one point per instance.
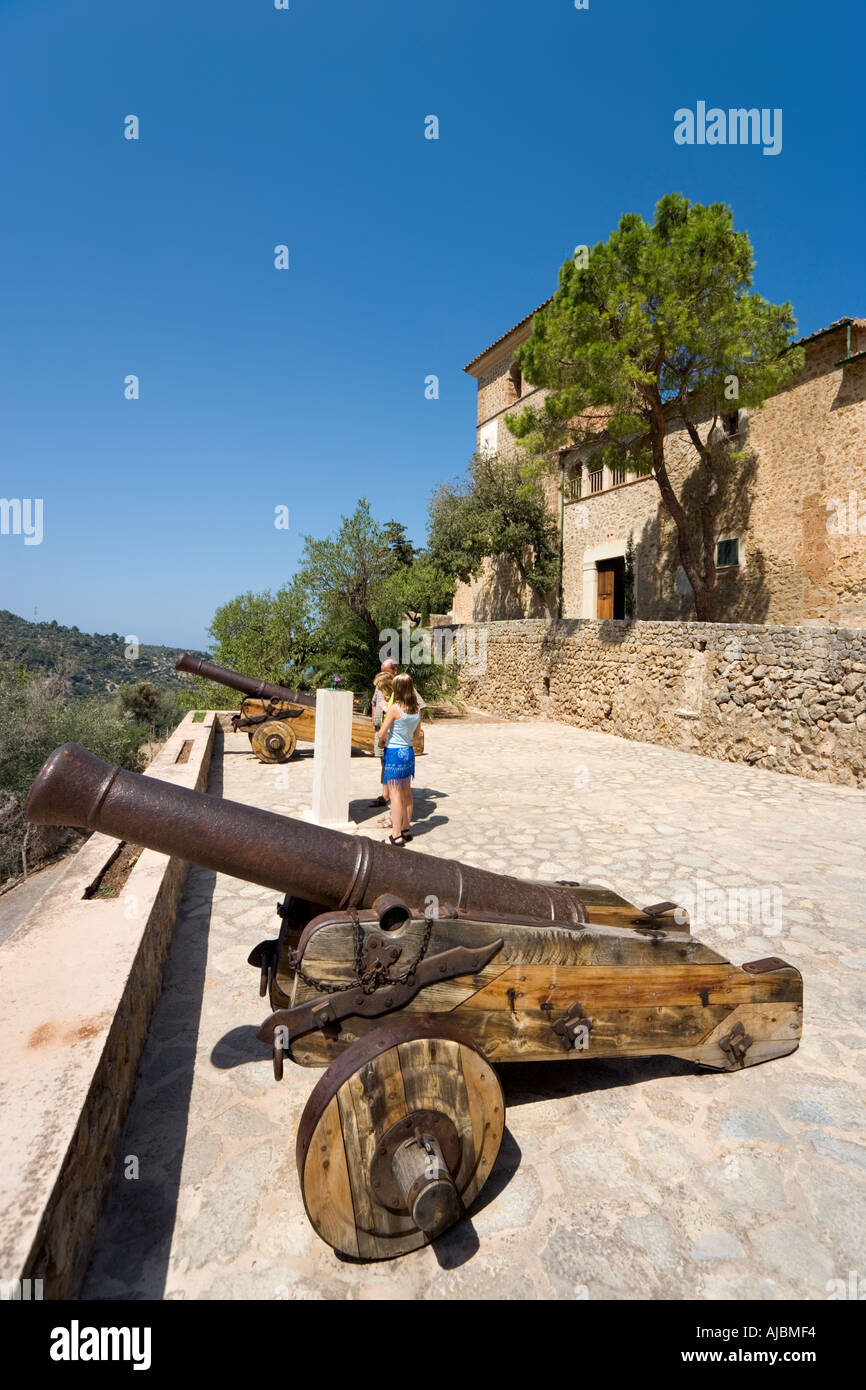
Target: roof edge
point(507, 334)
point(797, 342)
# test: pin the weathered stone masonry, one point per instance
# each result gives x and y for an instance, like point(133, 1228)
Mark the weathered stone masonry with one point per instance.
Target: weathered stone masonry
point(795, 503)
point(790, 699)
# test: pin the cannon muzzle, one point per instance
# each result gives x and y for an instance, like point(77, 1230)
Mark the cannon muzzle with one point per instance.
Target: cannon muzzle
point(310, 862)
point(248, 685)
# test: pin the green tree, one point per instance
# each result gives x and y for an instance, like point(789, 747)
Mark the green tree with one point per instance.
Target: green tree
point(342, 575)
point(362, 583)
point(331, 620)
point(659, 330)
point(140, 702)
point(401, 548)
point(413, 592)
point(158, 710)
point(496, 510)
point(267, 635)
point(36, 715)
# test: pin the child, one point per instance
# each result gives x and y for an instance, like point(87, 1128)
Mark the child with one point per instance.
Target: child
point(398, 761)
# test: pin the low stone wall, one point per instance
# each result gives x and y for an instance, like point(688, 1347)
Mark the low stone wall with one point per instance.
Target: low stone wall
point(78, 983)
point(791, 699)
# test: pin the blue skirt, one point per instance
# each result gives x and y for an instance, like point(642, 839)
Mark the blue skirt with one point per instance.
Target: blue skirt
point(398, 766)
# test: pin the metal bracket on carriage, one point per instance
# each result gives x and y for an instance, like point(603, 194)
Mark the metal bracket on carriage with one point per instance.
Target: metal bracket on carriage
point(286, 1024)
point(377, 955)
point(760, 967)
point(574, 1028)
point(265, 957)
point(736, 1044)
point(244, 721)
point(651, 915)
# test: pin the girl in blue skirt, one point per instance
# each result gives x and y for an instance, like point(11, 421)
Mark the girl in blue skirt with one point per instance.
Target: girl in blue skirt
point(398, 761)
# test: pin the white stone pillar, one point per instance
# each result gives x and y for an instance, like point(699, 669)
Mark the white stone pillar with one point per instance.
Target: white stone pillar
point(332, 761)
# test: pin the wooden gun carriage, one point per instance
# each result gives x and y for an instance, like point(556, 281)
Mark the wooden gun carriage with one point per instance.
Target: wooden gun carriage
point(274, 717)
point(410, 976)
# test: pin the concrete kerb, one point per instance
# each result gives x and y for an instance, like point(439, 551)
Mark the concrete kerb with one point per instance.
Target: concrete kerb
point(78, 983)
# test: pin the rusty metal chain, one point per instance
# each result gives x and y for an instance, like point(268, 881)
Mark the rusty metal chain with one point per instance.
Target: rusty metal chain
point(369, 980)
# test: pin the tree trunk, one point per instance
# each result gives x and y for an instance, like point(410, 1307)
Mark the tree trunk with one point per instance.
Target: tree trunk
point(701, 593)
point(708, 517)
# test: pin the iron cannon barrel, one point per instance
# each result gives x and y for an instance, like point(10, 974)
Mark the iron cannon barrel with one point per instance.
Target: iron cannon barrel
point(76, 788)
point(248, 685)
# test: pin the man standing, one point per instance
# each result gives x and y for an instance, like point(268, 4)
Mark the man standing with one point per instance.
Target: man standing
point(382, 695)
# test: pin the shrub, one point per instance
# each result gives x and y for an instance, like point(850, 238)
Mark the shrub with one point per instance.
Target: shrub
point(36, 717)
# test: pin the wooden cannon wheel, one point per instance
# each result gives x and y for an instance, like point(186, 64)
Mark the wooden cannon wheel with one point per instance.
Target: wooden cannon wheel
point(273, 742)
point(398, 1137)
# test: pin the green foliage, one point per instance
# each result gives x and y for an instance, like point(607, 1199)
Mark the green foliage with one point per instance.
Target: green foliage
point(266, 635)
point(88, 663)
point(496, 510)
point(37, 716)
point(332, 619)
point(402, 550)
point(363, 582)
point(413, 591)
point(655, 333)
point(157, 710)
point(343, 574)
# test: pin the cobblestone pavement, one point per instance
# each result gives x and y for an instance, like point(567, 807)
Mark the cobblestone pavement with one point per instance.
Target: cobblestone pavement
point(646, 1179)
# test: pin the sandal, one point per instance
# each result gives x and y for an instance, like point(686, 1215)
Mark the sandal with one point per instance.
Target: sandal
point(385, 822)
point(407, 835)
point(398, 842)
point(380, 801)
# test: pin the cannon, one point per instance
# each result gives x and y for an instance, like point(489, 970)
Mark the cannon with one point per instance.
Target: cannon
point(275, 717)
point(410, 977)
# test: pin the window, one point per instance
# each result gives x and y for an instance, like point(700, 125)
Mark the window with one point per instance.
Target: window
point(573, 485)
point(515, 376)
point(596, 480)
point(727, 553)
point(731, 423)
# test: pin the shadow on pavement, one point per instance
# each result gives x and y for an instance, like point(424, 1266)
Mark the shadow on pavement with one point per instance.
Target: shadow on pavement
point(526, 1082)
point(133, 1240)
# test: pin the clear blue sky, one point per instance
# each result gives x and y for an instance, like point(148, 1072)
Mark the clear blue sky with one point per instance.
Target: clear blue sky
point(408, 256)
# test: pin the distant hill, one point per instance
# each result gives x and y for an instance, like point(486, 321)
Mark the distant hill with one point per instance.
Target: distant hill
point(90, 662)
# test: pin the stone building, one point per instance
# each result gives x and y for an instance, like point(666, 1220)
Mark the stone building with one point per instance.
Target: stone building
point(791, 539)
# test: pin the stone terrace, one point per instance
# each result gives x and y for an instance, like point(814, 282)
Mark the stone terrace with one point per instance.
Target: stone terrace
point(645, 1179)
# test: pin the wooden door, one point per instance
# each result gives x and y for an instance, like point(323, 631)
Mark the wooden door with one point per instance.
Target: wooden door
point(606, 572)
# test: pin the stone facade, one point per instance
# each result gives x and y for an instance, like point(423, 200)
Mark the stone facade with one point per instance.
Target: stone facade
point(497, 593)
point(790, 699)
point(796, 503)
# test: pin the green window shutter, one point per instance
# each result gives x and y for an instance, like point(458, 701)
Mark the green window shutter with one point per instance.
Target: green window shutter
point(727, 553)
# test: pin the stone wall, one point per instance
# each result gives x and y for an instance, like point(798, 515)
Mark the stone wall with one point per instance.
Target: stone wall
point(80, 978)
point(790, 699)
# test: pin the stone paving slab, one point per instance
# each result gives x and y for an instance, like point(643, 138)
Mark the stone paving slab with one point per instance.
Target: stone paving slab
point(16, 902)
point(634, 1179)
